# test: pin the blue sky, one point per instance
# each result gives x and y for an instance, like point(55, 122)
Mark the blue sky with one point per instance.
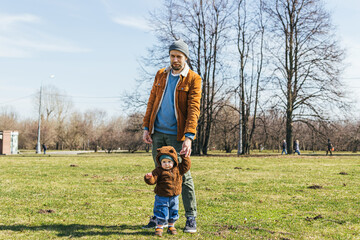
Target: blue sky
point(92, 47)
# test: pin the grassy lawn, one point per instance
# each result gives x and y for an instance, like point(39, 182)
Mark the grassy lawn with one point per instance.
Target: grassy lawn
point(103, 196)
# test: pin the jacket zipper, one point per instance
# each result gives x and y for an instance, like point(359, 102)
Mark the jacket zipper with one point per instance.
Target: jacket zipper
point(175, 97)
point(173, 180)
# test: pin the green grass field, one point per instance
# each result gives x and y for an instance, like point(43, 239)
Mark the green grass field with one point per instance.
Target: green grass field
point(103, 196)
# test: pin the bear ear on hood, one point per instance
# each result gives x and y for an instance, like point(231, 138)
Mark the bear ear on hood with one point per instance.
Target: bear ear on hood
point(158, 150)
point(171, 150)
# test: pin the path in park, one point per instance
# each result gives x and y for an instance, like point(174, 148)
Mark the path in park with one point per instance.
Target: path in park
point(68, 152)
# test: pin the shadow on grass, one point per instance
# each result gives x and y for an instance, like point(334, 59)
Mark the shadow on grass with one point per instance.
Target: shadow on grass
point(79, 230)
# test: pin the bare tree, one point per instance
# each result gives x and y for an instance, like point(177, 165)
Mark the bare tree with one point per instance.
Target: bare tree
point(250, 31)
point(307, 60)
point(271, 129)
point(8, 119)
point(112, 134)
point(74, 131)
point(27, 134)
point(56, 106)
point(224, 131)
point(94, 123)
point(131, 137)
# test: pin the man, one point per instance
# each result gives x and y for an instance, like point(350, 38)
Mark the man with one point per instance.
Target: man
point(171, 118)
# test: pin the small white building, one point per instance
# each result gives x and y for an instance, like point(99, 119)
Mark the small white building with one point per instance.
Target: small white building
point(9, 142)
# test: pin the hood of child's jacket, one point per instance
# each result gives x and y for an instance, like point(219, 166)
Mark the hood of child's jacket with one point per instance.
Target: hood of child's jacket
point(167, 150)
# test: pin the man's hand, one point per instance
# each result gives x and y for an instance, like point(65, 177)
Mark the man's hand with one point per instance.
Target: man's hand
point(186, 148)
point(146, 137)
point(148, 175)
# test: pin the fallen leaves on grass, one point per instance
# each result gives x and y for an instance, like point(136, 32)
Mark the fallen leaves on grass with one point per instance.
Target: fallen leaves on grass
point(73, 165)
point(343, 173)
point(315, 187)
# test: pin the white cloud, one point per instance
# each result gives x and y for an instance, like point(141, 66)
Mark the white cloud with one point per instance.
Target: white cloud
point(20, 39)
point(7, 21)
point(132, 22)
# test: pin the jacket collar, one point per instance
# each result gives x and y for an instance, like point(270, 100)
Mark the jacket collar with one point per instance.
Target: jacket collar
point(184, 72)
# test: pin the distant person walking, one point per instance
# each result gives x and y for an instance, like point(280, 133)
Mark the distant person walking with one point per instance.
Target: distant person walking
point(330, 148)
point(284, 145)
point(297, 147)
point(44, 148)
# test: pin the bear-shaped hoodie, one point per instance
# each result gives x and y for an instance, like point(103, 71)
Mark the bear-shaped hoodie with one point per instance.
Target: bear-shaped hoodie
point(168, 182)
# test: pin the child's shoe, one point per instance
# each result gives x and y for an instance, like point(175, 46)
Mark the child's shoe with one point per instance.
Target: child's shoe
point(158, 232)
point(172, 230)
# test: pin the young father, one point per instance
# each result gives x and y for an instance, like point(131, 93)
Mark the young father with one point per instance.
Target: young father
point(171, 118)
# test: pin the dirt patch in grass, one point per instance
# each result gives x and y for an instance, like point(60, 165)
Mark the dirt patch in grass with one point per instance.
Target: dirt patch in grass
point(343, 173)
point(223, 229)
point(46, 211)
point(315, 187)
point(318, 217)
point(309, 219)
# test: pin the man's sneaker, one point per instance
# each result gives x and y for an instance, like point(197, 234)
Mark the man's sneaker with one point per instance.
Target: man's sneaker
point(190, 226)
point(151, 224)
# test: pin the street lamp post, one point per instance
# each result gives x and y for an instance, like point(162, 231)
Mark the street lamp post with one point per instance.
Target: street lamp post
point(38, 145)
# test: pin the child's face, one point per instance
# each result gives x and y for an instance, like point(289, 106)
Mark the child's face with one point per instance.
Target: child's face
point(167, 164)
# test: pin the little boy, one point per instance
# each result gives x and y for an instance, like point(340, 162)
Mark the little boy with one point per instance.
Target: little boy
point(168, 179)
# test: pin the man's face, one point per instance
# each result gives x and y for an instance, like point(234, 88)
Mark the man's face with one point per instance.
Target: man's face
point(167, 164)
point(177, 60)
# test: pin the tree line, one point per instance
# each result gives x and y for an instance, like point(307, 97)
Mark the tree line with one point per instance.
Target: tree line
point(93, 130)
point(90, 130)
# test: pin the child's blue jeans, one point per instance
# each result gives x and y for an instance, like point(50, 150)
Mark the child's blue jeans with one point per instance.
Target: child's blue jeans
point(166, 209)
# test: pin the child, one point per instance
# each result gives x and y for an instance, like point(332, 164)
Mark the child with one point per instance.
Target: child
point(168, 179)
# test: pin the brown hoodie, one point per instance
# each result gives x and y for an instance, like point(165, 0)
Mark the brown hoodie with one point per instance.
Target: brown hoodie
point(168, 182)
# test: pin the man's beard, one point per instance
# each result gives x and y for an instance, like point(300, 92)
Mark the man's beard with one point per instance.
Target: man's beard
point(176, 67)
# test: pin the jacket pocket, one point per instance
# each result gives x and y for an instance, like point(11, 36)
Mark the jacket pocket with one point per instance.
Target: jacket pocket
point(183, 88)
point(182, 92)
point(159, 88)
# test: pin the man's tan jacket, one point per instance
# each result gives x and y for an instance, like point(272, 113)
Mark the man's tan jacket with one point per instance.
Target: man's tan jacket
point(187, 101)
